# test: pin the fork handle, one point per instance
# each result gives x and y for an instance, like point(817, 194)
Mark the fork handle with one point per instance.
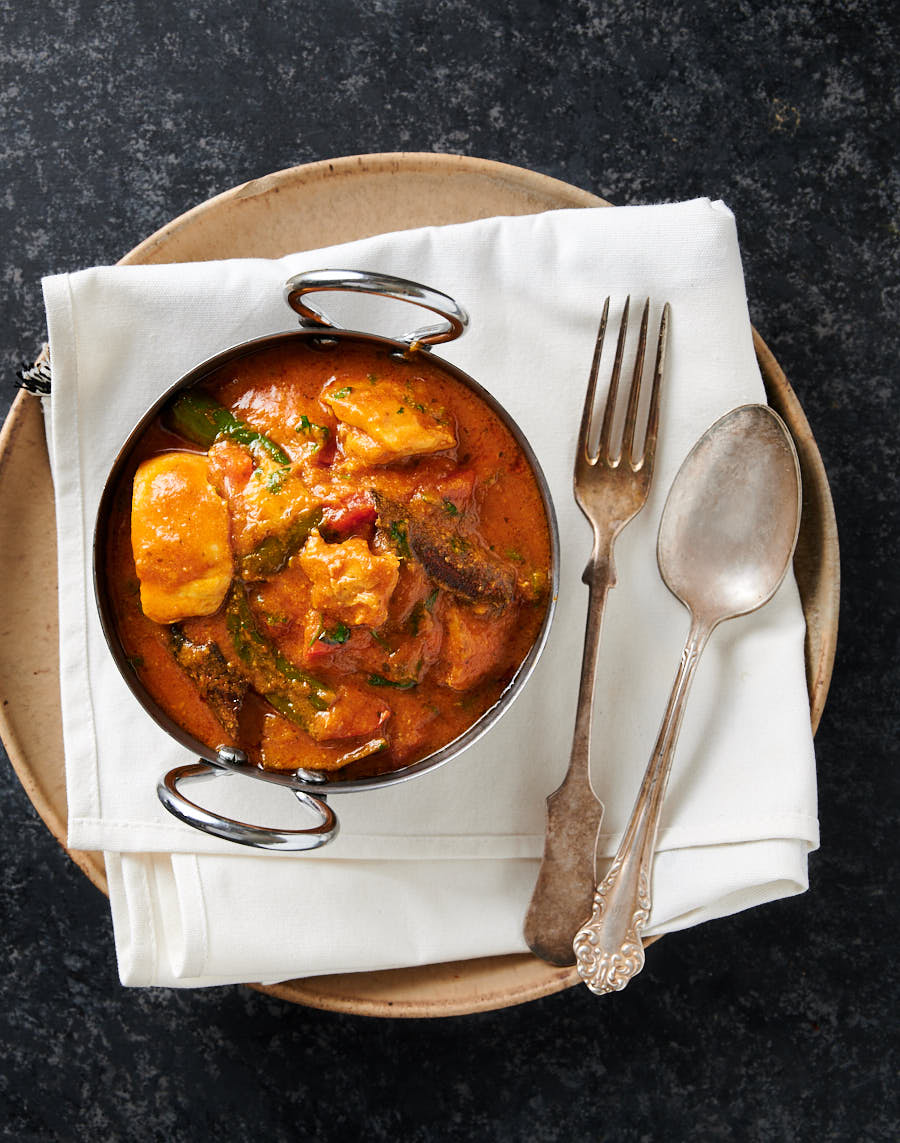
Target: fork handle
point(562, 895)
point(608, 948)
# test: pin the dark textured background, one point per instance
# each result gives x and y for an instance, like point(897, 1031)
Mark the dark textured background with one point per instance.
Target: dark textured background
point(772, 1025)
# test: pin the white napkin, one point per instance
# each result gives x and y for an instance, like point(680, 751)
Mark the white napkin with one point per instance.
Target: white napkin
point(442, 867)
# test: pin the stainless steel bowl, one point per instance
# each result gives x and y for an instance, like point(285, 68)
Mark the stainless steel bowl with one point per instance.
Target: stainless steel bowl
point(311, 788)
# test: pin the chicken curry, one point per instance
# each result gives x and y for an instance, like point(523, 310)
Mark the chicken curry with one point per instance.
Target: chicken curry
point(328, 555)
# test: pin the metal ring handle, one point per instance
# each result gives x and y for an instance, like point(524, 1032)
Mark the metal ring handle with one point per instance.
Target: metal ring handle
point(385, 286)
point(243, 833)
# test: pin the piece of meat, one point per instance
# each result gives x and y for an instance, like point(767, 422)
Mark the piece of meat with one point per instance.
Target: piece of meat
point(460, 563)
point(384, 422)
point(349, 581)
point(272, 504)
point(357, 445)
point(180, 538)
point(413, 588)
point(353, 714)
point(412, 652)
point(472, 648)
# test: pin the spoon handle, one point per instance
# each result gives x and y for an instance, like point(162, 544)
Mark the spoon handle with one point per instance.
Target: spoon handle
point(608, 948)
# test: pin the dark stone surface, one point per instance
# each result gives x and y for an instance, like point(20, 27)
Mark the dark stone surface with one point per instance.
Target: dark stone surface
point(773, 1025)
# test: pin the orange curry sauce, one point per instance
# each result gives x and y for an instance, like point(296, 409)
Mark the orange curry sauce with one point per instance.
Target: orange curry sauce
point(381, 587)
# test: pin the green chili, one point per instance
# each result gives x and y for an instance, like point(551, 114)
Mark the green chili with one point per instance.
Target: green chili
point(272, 553)
point(273, 675)
point(201, 419)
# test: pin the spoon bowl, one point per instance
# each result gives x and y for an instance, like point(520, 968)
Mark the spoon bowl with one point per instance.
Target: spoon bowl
point(731, 519)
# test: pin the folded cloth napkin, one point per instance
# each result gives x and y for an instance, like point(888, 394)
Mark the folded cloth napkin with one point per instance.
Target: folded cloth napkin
point(442, 867)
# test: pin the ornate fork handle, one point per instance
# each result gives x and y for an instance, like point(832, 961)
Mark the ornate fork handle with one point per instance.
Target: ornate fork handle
point(608, 948)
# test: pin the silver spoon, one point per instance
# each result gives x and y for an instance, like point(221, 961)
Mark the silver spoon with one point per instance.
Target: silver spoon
point(725, 543)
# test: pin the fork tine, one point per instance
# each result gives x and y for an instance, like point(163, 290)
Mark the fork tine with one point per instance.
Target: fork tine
point(653, 418)
point(588, 410)
point(635, 392)
point(610, 410)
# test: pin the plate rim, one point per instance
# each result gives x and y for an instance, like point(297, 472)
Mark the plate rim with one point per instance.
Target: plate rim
point(386, 163)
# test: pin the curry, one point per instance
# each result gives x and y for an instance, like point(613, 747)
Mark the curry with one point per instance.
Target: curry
point(328, 555)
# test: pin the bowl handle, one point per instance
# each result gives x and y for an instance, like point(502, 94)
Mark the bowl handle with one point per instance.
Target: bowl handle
point(243, 833)
point(387, 286)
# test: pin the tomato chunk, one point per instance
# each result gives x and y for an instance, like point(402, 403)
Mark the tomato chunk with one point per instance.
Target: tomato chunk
point(355, 516)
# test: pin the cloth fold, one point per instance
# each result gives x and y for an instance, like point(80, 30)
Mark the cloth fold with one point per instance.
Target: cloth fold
point(442, 867)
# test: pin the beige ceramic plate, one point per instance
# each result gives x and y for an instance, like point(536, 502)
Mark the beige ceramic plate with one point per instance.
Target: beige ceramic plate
point(301, 209)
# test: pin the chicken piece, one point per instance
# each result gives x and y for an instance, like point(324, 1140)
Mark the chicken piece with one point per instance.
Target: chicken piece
point(473, 646)
point(271, 502)
point(350, 582)
point(180, 538)
point(280, 606)
point(359, 447)
point(382, 423)
point(353, 714)
point(272, 509)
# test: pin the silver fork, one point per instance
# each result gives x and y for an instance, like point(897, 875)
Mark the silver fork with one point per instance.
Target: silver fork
point(611, 487)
